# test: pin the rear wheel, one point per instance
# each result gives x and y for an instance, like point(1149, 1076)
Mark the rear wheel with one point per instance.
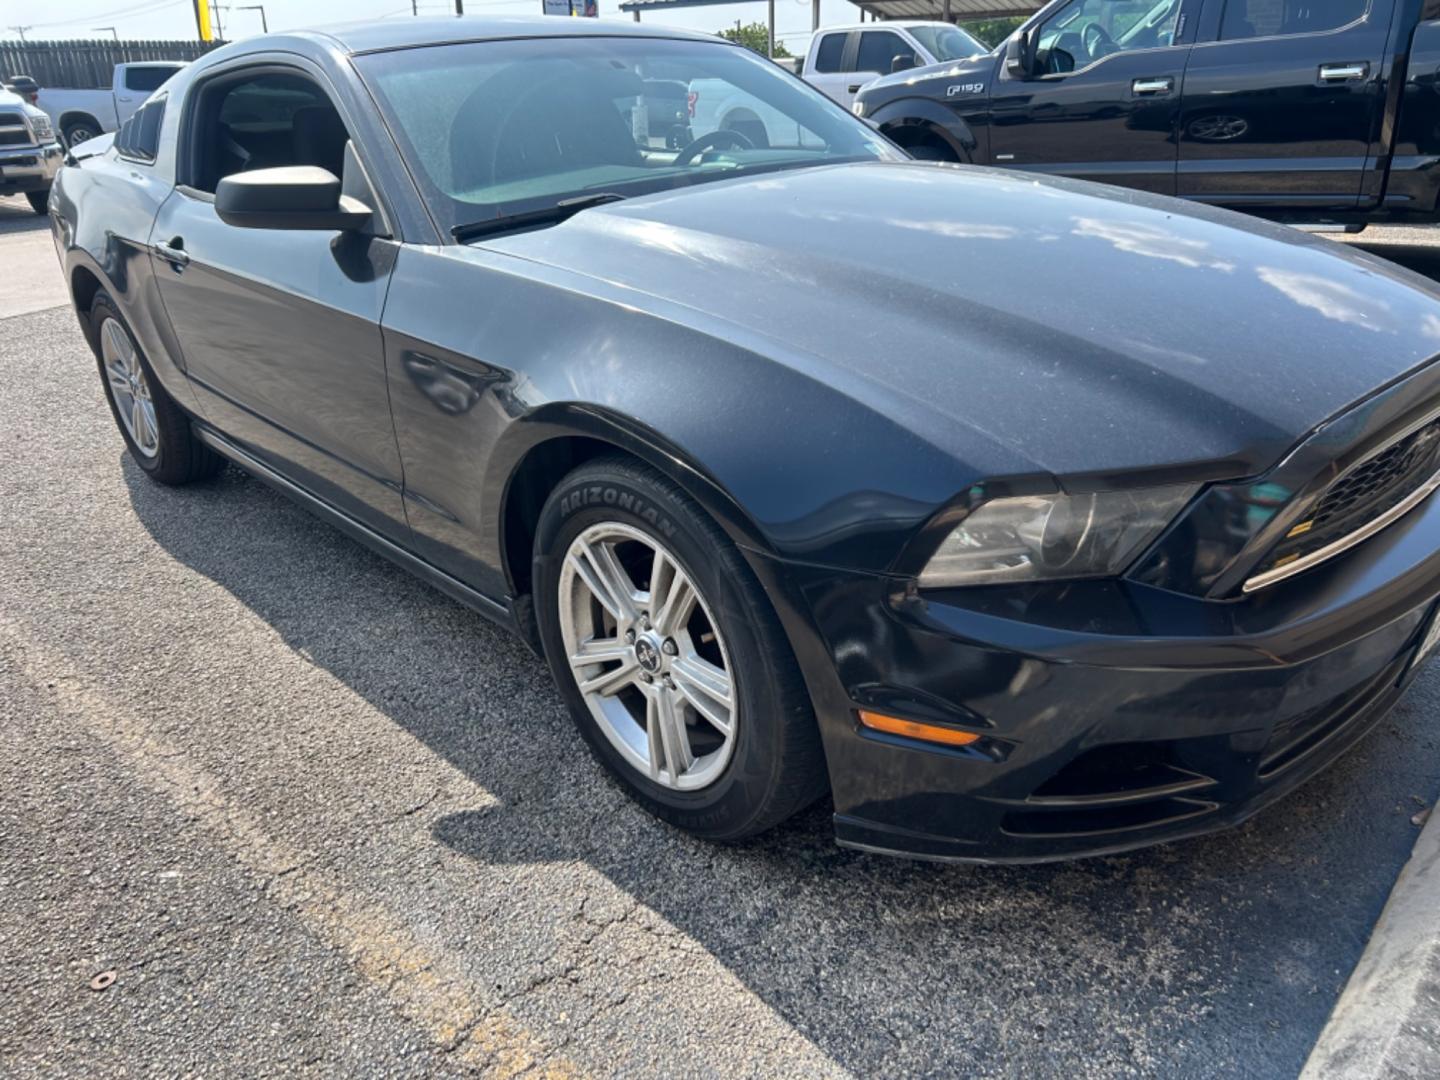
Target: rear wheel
point(79, 131)
point(39, 201)
point(156, 431)
point(669, 656)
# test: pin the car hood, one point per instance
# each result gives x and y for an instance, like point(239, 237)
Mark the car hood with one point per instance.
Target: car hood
point(1032, 324)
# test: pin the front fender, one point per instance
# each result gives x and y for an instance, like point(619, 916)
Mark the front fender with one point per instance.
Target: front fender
point(895, 118)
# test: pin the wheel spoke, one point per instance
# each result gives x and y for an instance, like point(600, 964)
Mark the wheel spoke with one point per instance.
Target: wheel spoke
point(673, 736)
point(604, 651)
point(671, 606)
point(147, 416)
point(706, 688)
point(119, 343)
point(119, 381)
point(137, 421)
point(607, 580)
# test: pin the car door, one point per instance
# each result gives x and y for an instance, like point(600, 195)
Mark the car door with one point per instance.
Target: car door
point(280, 328)
point(872, 53)
point(827, 71)
point(1282, 101)
point(1102, 99)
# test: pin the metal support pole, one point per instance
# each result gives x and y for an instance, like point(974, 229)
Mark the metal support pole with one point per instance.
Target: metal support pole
point(814, 15)
point(947, 11)
point(772, 29)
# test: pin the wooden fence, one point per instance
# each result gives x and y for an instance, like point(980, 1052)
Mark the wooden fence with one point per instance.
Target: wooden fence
point(88, 65)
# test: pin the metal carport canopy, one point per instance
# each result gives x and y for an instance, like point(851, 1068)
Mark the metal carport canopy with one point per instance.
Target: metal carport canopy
point(878, 9)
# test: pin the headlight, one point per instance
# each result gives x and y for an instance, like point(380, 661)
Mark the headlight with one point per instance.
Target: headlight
point(1040, 537)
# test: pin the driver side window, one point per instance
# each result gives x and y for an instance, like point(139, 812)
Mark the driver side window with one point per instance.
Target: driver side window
point(1081, 33)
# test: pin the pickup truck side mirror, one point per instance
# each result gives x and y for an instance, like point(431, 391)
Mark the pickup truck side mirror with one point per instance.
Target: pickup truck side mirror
point(902, 62)
point(292, 197)
point(1017, 59)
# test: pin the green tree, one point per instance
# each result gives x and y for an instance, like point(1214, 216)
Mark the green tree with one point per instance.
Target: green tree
point(992, 31)
point(756, 37)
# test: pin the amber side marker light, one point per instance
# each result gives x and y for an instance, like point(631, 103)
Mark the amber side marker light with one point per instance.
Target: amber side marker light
point(911, 729)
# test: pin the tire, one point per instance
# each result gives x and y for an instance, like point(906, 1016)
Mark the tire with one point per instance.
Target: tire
point(159, 436)
point(928, 150)
point(774, 765)
point(80, 131)
point(39, 201)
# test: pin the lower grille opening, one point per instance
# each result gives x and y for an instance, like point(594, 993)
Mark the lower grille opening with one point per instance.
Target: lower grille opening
point(1120, 772)
point(1102, 819)
point(1292, 739)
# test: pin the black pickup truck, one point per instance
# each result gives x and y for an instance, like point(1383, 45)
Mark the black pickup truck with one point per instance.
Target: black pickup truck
point(1300, 110)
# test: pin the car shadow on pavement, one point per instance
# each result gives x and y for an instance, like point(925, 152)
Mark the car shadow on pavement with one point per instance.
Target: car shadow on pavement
point(16, 216)
point(1212, 957)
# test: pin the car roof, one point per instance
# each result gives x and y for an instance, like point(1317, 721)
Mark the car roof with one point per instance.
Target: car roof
point(381, 34)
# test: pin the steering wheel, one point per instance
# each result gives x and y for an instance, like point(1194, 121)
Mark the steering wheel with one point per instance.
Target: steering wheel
point(713, 140)
point(1098, 41)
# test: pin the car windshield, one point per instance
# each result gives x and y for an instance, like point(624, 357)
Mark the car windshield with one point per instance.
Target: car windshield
point(498, 128)
point(947, 43)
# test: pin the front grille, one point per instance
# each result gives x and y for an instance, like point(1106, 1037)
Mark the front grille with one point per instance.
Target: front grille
point(13, 130)
point(1361, 495)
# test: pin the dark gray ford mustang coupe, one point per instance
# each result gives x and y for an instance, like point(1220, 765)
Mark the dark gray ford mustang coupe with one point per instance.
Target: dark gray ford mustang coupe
point(1031, 518)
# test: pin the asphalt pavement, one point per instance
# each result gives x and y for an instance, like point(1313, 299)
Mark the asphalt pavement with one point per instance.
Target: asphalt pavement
point(309, 815)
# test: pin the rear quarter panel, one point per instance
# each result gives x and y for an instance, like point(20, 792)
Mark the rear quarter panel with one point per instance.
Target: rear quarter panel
point(106, 208)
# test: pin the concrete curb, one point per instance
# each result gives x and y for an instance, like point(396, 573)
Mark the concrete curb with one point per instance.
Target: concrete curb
point(1387, 1021)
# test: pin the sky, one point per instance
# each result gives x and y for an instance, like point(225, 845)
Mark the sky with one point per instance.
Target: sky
point(57, 19)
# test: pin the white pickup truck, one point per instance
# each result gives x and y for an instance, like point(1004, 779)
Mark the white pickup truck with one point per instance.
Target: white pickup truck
point(844, 58)
point(83, 114)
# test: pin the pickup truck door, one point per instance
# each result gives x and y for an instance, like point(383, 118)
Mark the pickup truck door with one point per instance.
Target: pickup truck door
point(280, 328)
point(1103, 102)
point(825, 69)
point(1282, 102)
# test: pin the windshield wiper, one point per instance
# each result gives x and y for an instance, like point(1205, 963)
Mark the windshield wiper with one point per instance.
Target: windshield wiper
point(547, 215)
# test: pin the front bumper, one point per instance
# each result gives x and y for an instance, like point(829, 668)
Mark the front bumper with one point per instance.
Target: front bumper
point(30, 168)
point(1114, 715)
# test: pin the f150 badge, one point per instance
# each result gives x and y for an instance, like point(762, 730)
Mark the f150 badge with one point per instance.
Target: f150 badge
point(965, 88)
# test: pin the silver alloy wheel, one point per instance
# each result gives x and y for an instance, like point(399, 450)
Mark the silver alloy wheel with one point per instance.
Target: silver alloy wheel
point(647, 656)
point(129, 387)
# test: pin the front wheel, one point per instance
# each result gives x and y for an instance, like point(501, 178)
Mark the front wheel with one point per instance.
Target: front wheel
point(669, 655)
point(39, 201)
point(156, 431)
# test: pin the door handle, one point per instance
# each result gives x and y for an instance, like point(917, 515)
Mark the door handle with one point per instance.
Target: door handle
point(1343, 72)
point(173, 253)
point(853, 88)
point(1152, 87)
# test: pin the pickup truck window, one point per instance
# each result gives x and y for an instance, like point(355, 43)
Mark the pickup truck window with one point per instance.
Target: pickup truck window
point(830, 53)
point(502, 128)
point(1280, 18)
point(878, 49)
point(1081, 33)
point(947, 42)
point(262, 122)
point(147, 79)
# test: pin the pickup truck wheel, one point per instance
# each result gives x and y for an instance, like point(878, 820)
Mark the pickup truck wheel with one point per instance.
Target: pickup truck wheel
point(79, 131)
point(156, 431)
point(39, 201)
point(669, 655)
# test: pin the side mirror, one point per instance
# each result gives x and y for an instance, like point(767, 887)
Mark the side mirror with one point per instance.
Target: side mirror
point(1017, 60)
point(902, 62)
point(293, 197)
